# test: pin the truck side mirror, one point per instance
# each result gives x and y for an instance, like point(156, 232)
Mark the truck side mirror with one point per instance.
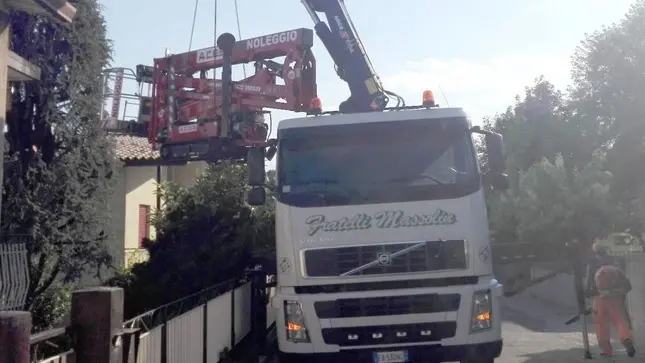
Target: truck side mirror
point(256, 196)
point(255, 163)
point(495, 151)
point(496, 176)
point(271, 151)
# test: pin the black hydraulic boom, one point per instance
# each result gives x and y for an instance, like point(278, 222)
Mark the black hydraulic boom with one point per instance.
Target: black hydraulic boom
point(352, 63)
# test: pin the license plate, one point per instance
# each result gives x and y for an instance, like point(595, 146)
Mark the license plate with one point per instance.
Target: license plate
point(399, 356)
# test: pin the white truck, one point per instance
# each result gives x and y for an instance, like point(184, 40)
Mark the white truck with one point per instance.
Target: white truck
point(383, 248)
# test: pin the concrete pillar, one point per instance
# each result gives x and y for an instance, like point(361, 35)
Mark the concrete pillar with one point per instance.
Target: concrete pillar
point(97, 314)
point(15, 330)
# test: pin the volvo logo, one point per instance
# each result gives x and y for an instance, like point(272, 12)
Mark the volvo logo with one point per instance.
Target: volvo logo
point(384, 258)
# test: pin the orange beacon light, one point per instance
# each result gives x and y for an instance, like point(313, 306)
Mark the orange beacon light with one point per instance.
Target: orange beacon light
point(428, 99)
point(315, 106)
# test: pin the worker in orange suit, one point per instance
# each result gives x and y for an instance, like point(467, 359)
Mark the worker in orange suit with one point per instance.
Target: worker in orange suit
point(609, 309)
point(600, 259)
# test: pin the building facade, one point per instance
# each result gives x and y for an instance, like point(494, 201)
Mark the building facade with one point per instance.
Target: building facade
point(136, 194)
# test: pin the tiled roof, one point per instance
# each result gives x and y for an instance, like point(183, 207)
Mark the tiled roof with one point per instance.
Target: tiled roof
point(134, 148)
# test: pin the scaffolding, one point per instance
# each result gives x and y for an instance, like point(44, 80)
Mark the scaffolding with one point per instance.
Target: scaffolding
point(127, 99)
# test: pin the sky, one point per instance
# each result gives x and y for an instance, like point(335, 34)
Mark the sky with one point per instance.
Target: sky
point(473, 54)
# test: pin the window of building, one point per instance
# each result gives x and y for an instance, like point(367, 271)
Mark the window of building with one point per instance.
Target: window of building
point(144, 223)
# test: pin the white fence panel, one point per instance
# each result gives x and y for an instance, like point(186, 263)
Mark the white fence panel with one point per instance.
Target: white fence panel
point(242, 311)
point(150, 346)
point(218, 325)
point(185, 337)
point(67, 357)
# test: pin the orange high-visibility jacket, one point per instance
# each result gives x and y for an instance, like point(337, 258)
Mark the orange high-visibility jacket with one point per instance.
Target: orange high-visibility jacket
point(610, 280)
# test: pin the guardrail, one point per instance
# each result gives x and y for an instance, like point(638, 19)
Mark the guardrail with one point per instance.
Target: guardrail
point(52, 346)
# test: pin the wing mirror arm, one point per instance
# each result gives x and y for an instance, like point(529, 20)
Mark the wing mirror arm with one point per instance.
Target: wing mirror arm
point(496, 158)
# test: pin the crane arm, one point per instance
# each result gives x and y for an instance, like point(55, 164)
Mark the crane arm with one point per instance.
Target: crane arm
point(353, 66)
point(193, 116)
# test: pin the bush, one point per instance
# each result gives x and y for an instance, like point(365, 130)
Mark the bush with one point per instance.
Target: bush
point(206, 234)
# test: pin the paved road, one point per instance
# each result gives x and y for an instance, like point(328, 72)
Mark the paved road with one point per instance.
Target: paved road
point(534, 333)
point(523, 345)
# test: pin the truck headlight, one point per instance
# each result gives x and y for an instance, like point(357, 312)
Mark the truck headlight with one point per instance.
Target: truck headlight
point(482, 314)
point(294, 321)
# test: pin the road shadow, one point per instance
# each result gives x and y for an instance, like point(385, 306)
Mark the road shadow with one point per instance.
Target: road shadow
point(540, 317)
point(572, 355)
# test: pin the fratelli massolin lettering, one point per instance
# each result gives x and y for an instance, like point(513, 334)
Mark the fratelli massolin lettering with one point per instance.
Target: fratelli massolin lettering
point(382, 219)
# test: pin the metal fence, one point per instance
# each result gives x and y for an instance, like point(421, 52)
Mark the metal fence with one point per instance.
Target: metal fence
point(14, 275)
point(205, 327)
point(52, 346)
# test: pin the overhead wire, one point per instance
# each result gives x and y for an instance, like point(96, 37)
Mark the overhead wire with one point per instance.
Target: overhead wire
point(215, 26)
point(215, 105)
point(192, 28)
point(239, 31)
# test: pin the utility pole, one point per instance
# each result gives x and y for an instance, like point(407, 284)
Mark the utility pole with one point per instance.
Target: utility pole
point(577, 254)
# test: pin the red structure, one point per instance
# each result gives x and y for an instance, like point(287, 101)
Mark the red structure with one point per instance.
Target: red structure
point(194, 117)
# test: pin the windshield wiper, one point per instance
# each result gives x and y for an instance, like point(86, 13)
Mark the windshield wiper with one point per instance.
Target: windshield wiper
point(415, 178)
point(316, 182)
point(316, 185)
point(324, 188)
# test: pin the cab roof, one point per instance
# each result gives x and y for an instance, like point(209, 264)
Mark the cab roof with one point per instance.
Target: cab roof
point(370, 117)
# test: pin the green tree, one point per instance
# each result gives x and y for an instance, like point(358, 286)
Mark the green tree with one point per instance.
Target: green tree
point(59, 164)
point(534, 128)
point(576, 160)
point(555, 206)
point(607, 99)
point(205, 234)
point(558, 193)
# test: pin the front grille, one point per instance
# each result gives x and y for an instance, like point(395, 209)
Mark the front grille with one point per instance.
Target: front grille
point(390, 334)
point(386, 259)
point(387, 305)
point(387, 285)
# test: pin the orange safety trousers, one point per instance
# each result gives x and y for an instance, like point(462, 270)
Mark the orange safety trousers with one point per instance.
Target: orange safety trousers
point(608, 311)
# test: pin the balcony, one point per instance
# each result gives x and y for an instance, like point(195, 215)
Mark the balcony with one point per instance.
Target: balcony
point(62, 11)
point(20, 70)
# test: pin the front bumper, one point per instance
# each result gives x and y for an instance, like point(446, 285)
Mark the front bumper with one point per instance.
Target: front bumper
point(484, 352)
point(452, 327)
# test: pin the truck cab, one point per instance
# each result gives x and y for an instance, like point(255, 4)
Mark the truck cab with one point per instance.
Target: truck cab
point(383, 249)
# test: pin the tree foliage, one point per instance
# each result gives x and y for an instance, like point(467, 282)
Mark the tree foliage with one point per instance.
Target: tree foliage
point(205, 234)
point(577, 159)
point(607, 97)
point(58, 162)
point(553, 206)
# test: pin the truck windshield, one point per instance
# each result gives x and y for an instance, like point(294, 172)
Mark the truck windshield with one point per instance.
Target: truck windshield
point(371, 163)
